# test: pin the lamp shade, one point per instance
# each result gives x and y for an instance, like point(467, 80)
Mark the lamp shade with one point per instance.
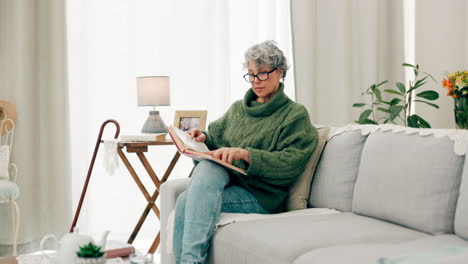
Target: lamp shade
point(153, 90)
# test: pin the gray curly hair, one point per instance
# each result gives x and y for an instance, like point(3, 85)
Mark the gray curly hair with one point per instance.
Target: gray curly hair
point(266, 53)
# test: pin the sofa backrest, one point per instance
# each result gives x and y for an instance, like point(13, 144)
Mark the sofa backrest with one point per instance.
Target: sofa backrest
point(461, 214)
point(336, 172)
point(411, 180)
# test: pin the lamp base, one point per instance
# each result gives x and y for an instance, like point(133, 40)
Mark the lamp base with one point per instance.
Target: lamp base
point(154, 124)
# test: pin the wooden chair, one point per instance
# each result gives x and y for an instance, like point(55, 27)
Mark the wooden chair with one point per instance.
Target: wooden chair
point(9, 190)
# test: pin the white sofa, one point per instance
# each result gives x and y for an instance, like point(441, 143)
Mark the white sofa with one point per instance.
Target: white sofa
point(402, 194)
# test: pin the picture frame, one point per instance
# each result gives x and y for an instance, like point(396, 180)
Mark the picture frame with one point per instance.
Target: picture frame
point(187, 120)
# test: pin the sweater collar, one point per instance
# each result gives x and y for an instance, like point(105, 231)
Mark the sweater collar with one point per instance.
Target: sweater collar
point(264, 109)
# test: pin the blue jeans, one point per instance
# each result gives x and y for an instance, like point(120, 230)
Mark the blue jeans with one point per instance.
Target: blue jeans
point(198, 209)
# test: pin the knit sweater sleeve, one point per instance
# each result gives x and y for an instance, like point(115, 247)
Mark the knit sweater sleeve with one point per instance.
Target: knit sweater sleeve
point(296, 142)
point(214, 134)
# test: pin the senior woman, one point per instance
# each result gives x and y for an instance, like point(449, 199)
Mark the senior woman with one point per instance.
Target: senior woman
point(267, 134)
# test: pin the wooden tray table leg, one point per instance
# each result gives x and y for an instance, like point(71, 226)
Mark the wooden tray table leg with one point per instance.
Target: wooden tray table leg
point(155, 244)
point(137, 180)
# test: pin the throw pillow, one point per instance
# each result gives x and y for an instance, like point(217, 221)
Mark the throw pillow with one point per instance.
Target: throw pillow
point(299, 191)
point(4, 160)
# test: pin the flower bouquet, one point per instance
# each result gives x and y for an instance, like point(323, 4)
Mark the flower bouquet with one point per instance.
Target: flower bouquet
point(457, 85)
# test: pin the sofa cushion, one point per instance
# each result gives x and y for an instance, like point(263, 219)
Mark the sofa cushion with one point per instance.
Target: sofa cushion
point(299, 191)
point(461, 215)
point(281, 240)
point(333, 182)
point(410, 180)
point(365, 253)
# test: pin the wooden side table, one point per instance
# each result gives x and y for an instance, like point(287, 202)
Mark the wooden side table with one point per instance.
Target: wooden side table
point(139, 148)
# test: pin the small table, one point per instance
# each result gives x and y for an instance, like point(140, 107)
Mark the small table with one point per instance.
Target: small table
point(139, 148)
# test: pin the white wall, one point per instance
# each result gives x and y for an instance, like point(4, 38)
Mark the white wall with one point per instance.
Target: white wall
point(340, 49)
point(441, 47)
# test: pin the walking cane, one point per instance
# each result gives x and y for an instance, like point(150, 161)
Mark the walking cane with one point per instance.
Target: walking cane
point(96, 148)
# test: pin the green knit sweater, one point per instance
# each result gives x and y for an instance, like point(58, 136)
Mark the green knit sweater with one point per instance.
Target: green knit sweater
point(280, 140)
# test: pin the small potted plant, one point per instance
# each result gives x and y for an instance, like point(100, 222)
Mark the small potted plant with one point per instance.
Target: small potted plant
point(90, 254)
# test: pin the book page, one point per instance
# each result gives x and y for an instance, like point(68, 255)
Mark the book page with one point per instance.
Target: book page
point(200, 156)
point(189, 142)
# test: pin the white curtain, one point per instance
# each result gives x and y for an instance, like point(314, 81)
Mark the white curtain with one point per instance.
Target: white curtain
point(441, 47)
point(33, 77)
point(342, 47)
point(199, 44)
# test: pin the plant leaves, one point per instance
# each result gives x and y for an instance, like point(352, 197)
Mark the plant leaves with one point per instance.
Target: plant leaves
point(408, 65)
point(90, 250)
point(385, 102)
point(418, 82)
point(401, 87)
point(359, 105)
point(423, 123)
point(429, 95)
point(395, 101)
point(369, 122)
point(412, 121)
point(395, 111)
point(384, 82)
point(366, 122)
point(384, 110)
point(378, 94)
point(364, 115)
point(414, 88)
point(393, 92)
point(431, 104)
point(417, 122)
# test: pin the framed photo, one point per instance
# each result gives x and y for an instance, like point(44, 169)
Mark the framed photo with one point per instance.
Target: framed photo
point(187, 120)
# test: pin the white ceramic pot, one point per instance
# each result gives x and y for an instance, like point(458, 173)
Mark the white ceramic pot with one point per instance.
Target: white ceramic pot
point(100, 260)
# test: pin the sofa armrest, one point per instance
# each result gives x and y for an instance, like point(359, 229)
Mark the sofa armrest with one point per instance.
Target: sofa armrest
point(169, 192)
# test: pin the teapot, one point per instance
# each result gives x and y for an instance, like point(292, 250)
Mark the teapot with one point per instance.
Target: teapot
point(69, 245)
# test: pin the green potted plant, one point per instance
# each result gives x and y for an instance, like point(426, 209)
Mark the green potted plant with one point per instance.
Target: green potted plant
point(90, 254)
point(398, 109)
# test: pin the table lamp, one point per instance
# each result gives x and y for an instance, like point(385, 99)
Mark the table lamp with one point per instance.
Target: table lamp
point(153, 91)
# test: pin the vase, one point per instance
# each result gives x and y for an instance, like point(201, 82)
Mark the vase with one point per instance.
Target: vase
point(461, 112)
point(100, 260)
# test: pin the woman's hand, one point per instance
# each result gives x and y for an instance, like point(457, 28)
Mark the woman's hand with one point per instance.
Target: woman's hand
point(197, 135)
point(230, 154)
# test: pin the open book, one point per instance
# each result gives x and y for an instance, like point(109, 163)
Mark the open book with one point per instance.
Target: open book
point(195, 150)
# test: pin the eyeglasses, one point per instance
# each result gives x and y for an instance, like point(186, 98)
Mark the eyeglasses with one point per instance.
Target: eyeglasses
point(261, 76)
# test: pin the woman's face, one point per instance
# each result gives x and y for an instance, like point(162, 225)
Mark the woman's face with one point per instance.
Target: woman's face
point(267, 88)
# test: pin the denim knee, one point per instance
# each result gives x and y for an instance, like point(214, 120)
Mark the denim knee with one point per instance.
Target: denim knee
point(180, 203)
point(210, 174)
